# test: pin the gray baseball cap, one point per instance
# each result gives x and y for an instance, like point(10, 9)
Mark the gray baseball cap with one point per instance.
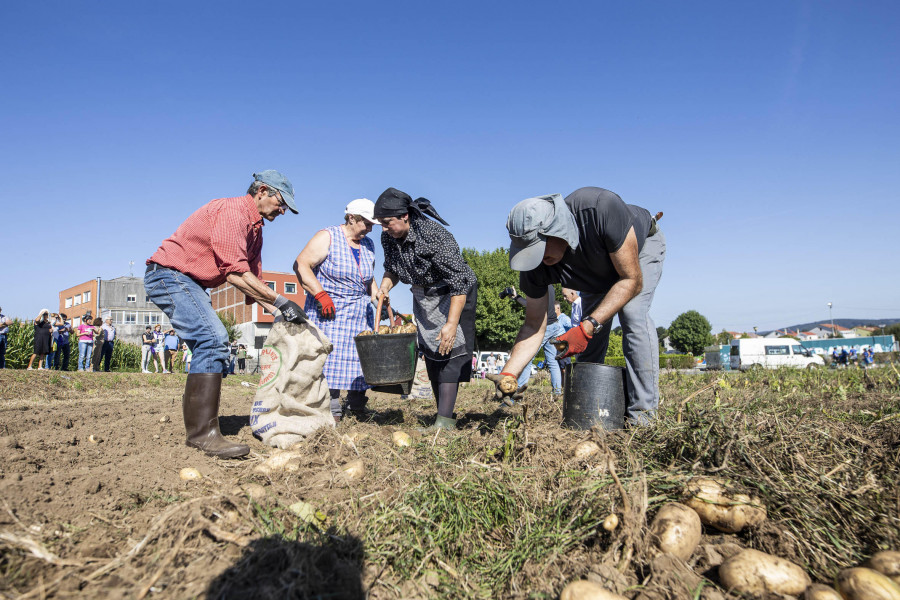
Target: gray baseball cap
point(531, 222)
point(276, 180)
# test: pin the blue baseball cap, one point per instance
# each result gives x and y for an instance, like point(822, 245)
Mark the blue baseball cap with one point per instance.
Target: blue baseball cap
point(277, 181)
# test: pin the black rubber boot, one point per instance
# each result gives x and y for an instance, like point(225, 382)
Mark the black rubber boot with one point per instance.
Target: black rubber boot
point(201, 417)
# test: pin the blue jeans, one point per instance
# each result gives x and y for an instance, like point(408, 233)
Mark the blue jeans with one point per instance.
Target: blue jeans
point(85, 350)
point(190, 311)
point(639, 341)
point(553, 330)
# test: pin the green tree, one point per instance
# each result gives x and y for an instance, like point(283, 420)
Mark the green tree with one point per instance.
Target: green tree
point(230, 324)
point(724, 338)
point(690, 332)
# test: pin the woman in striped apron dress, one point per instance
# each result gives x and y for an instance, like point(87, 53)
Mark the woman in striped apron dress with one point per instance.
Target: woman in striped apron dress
point(336, 268)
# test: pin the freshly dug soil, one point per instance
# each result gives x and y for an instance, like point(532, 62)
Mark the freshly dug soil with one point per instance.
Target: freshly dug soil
point(92, 505)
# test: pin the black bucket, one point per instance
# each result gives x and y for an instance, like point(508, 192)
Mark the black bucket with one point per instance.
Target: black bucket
point(594, 395)
point(388, 359)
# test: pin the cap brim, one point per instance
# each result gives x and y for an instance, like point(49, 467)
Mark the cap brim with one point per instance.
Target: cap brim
point(526, 258)
point(289, 200)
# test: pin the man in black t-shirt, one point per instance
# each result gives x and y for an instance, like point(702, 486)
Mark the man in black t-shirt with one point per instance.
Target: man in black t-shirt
point(613, 254)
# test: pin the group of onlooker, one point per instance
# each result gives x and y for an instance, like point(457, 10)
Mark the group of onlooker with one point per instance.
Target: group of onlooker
point(843, 357)
point(52, 332)
point(159, 349)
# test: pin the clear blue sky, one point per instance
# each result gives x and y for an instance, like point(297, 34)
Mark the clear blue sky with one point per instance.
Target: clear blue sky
point(767, 132)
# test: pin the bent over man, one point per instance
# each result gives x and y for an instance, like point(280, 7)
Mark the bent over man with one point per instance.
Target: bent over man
point(221, 241)
point(613, 254)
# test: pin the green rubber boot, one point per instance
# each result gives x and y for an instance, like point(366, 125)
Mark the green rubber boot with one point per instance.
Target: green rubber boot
point(440, 423)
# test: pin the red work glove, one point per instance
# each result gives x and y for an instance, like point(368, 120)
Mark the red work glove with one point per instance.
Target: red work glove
point(326, 306)
point(574, 341)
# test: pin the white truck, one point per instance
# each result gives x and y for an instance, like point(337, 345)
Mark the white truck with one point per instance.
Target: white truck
point(771, 353)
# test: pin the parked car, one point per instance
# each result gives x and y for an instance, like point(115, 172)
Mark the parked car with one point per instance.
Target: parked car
point(772, 353)
point(481, 365)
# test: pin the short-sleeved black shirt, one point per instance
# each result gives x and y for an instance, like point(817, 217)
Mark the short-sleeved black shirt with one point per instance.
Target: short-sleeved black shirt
point(603, 221)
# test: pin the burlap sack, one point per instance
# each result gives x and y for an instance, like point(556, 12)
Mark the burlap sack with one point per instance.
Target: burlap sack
point(292, 400)
point(421, 385)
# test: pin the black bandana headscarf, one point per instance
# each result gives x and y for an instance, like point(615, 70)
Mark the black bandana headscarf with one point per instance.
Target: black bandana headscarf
point(393, 203)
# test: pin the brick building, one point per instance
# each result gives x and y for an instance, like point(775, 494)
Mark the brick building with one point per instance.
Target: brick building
point(253, 320)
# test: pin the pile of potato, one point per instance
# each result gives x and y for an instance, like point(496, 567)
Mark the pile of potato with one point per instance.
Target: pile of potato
point(677, 528)
point(385, 330)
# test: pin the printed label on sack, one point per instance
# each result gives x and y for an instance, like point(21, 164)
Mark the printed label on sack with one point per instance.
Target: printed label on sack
point(269, 365)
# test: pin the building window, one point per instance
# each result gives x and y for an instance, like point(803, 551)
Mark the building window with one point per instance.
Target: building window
point(271, 285)
point(87, 296)
point(131, 298)
point(146, 298)
point(77, 300)
point(130, 317)
point(290, 288)
point(76, 321)
point(68, 303)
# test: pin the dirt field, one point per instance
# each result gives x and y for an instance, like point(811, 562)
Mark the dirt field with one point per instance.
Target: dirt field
point(92, 505)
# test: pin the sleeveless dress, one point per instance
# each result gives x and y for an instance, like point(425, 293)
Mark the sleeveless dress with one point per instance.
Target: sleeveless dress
point(347, 282)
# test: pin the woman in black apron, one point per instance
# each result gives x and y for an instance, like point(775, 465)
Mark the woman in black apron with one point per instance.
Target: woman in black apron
point(420, 252)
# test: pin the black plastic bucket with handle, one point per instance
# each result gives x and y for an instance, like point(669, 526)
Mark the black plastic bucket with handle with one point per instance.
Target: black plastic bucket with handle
point(594, 395)
point(387, 359)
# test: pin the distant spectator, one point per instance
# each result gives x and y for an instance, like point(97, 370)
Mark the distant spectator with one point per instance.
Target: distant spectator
point(4, 331)
point(62, 329)
point(41, 339)
point(575, 300)
point(562, 318)
point(170, 348)
point(50, 359)
point(232, 350)
point(491, 364)
point(845, 357)
point(186, 357)
point(108, 345)
point(147, 341)
point(99, 341)
point(85, 344)
point(868, 357)
point(242, 359)
point(158, 349)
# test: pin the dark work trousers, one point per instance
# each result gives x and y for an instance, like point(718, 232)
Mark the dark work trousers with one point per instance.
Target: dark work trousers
point(639, 341)
point(63, 352)
point(107, 354)
point(2, 351)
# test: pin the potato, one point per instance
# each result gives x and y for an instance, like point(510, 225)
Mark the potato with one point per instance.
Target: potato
point(366, 332)
point(355, 469)
point(255, 491)
point(189, 473)
point(866, 584)
point(277, 461)
point(585, 449)
point(758, 574)
point(886, 562)
point(722, 508)
point(611, 522)
point(818, 591)
point(408, 328)
point(384, 329)
point(588, 590)
point(508, 385)
point(676, 530)
point(401, 439)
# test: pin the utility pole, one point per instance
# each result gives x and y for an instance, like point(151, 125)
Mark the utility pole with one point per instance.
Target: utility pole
point(831, 316)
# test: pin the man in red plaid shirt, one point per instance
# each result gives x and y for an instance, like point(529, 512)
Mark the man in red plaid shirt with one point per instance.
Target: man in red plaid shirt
point(220, 242)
